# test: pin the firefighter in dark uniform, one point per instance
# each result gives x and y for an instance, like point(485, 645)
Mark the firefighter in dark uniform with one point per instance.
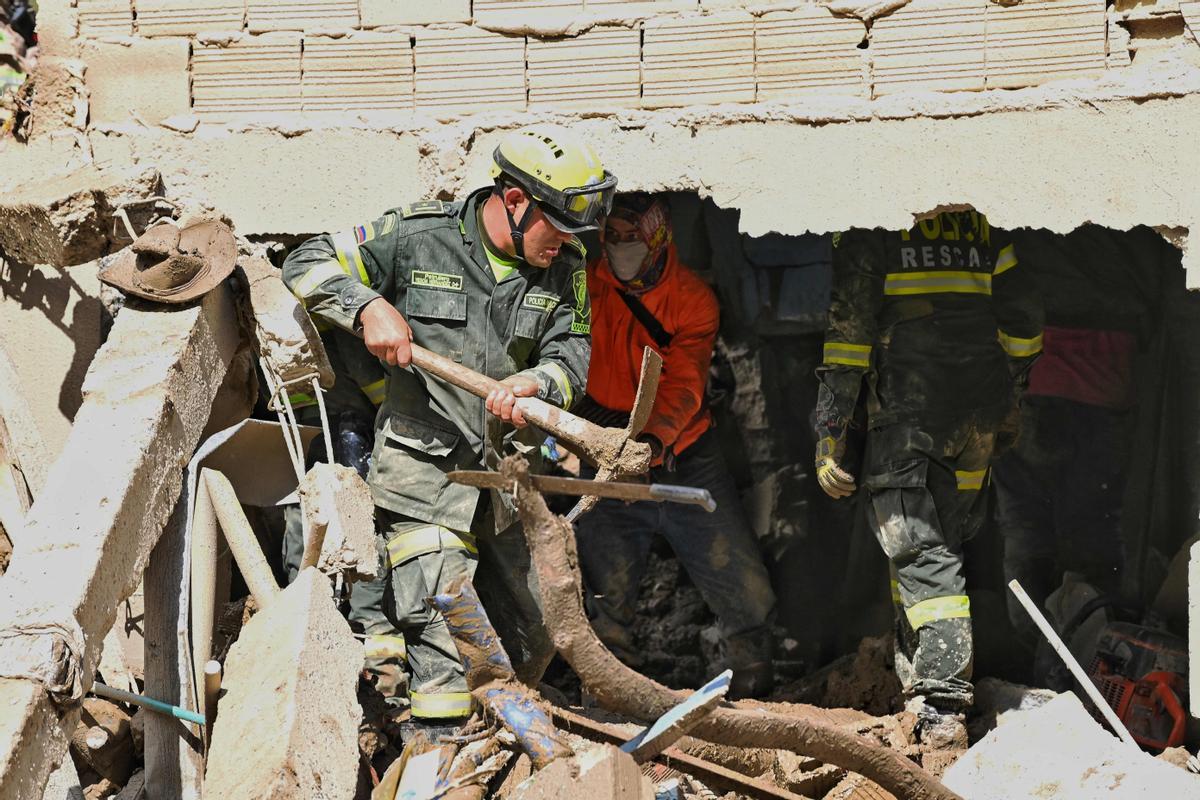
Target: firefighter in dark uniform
point(495, 282)
point(943, 325)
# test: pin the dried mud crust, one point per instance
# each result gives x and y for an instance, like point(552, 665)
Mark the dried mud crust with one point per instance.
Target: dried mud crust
point(616, 686)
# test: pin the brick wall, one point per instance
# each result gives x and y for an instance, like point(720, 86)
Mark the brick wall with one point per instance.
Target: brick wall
point(228, 59)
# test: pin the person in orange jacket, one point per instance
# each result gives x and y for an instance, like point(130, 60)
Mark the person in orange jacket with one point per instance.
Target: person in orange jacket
point(642, 295)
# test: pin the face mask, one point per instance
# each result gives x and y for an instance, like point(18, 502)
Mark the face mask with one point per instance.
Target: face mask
point(626, 258)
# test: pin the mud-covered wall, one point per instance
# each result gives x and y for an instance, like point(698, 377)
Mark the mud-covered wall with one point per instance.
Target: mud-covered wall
point(309, 115)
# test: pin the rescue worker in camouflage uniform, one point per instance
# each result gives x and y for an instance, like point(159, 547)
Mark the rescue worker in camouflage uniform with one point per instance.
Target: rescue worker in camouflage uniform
point(943, 325)
point(350, 405)
point(497, 282)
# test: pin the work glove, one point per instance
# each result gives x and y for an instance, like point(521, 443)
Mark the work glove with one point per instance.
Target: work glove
point(834, 480)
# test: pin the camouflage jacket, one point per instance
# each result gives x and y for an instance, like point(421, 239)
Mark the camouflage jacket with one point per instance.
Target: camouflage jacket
point(940, 319)
point(428, 260)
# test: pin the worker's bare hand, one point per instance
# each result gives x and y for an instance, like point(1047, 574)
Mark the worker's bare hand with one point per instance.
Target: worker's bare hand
point(835, 481)
point(503, 401)
point(386, 333)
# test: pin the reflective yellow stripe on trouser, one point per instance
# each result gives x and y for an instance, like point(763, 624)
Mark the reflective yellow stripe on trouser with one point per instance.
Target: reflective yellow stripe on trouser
point(846, 354)
point(380, 646)
point(955, 606)
point(375, 391)
point(427, 539)
point(970, 480)
point(447, 704)
point(1017, 347)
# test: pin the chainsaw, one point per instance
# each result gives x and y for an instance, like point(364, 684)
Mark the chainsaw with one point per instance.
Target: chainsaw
point(1141, 672)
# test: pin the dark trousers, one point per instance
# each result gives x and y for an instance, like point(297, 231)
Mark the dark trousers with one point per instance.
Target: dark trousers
point(1059, 495)
point(718, 551)
point(925, 492)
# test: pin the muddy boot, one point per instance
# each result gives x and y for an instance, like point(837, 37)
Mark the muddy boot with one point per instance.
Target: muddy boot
point(752, 681)
point(937, 729)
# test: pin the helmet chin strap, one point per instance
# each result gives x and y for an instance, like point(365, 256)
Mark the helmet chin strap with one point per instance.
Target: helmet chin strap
point(516, 230)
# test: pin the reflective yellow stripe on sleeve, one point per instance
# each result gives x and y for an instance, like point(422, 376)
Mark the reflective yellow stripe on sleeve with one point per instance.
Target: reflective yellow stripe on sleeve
point(318, 274)
point(375, 391)
point(955, 606)
point(970, 480)
point(301, 400)
point(426, 539)
point(1005, 261)
point(1017, 347)
point(346, 247)
point(850, 355)
point(896, 598)
point(559, 375)
point(380, 645)
point(442, 704)
point(937, 282)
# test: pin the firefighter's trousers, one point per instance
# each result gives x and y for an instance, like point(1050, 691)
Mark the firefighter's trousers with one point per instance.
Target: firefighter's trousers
point(422, 560)
point(925, 491)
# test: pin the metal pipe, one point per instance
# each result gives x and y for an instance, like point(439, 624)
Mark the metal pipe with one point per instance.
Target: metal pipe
point(1064, 653)
point(203, 584)
point(149, 703)
point(246, 550)
point(212, 690)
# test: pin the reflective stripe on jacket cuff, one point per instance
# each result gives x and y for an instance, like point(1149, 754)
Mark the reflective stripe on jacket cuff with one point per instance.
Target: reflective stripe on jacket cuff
point(849, 355)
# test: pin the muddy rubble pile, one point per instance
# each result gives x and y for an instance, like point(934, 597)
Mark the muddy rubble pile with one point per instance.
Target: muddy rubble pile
point(148, 647)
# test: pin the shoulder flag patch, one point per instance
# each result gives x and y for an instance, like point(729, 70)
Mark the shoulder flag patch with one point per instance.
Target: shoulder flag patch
point(364, 233)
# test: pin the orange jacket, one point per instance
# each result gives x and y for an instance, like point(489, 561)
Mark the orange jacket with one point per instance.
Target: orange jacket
point(687, 309)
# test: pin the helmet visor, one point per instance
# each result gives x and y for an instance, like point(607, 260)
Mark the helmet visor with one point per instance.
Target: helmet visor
point(571, 209)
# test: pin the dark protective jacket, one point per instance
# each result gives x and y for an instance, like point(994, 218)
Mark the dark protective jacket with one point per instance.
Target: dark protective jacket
point(940, 318)
point(428, 260)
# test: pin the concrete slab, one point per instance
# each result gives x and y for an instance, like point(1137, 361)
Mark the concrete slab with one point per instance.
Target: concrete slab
point(140, 79)
point(284, 335)
point(339, 498)
point(600, 773)
point(1058, 750)
point(287, 723)
point(145, 401)
point(66, 219)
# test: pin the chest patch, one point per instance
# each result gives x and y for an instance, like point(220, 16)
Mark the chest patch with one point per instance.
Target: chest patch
point(542, 302)
point(437, 280)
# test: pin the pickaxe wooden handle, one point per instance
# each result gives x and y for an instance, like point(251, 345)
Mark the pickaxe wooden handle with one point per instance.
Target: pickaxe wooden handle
point(613, 451)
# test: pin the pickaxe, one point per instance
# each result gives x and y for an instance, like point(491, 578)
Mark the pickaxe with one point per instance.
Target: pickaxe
point(615, 452)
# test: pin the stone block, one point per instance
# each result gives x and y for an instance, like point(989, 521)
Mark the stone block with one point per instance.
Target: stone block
point(365, 71)
point(64, 220)
point(808, 49)
point(301, 15)
point(1059, 750)
point(600, 69)
point(698, 60)
point(338, 497)
point(145, 79)
point(189, 17)
point(254, 74)
point(377, 13)
point(528, 10)
point(465, 70)
point(930, 45)
point(105, 18)
point(287, 723)
point(1036, 42)
point(602, 772)
point(631, 9)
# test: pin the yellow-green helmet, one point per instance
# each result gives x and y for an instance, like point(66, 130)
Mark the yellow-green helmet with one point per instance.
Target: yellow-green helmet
point(560, 172)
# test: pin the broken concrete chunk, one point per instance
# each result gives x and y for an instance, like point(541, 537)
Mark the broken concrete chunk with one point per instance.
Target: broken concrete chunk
point(1058, 750)
point(600, 773)
point(339, 498)
point(284, 335)
point(287, 723)
point(68, 219)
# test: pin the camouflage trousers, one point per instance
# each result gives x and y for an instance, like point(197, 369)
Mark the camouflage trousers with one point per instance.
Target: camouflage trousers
point(422, 559)
point(926, 496)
